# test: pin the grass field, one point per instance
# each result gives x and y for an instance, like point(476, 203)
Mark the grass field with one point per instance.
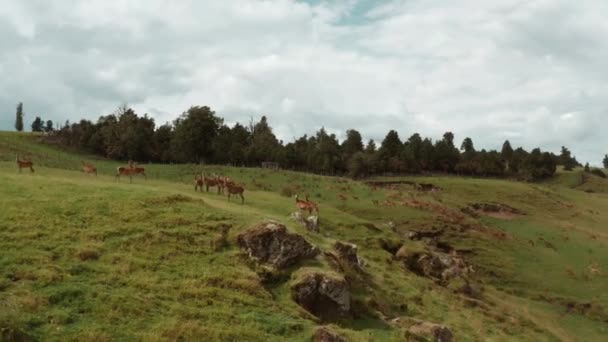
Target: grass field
point(90, 258)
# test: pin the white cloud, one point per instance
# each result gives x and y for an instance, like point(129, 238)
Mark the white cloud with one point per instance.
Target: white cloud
point(531, 72)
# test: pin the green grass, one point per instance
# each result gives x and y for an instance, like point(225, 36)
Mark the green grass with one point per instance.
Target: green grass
point(89, 258)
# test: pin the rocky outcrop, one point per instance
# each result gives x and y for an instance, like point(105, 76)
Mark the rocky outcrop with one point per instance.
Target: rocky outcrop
point(427, 331)
point(435, 265)
point(344, 257)
point(323, 294)
point(325, 334)
point(271, 243)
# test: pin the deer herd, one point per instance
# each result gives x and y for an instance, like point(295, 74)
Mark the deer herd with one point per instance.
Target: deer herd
point(224, 185)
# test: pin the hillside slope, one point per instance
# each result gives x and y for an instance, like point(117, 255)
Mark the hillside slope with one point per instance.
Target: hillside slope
point(92, 258)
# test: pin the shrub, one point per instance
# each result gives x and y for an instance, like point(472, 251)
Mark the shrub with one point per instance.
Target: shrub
point(598, 173)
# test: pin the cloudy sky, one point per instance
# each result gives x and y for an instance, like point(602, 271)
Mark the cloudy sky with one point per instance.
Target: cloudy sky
point(534, 72)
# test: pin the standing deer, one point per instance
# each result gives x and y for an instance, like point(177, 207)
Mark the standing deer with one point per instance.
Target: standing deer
point(25, 164)
point(234, 189)
point(211, 182)
point(130, 171)
point(198, 182)
point(88, 168)
point(307, 205)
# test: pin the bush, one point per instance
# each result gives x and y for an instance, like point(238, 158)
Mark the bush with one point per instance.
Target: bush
point(598, 173)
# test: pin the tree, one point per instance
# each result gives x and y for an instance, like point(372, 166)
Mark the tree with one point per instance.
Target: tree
point(507, 151)
point(264, 144)
point(587, 169)
point(371, 146)
point(19, 118)
point(49, 126)
point(605, 161)
point(446, 153)
point(566, 159)
point(194, 132)
point(37, 125)
point(389, 152)
point(352, 144)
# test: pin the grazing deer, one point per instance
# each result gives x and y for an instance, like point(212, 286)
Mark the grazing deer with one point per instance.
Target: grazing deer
point(234, 189)
point(88, 168)
point(307, 205)
point(25, 164)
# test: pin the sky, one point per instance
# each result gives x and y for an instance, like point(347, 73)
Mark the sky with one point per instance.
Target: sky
point(533, 72)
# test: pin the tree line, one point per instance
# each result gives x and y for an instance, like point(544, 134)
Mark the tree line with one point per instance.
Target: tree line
point(199, 135)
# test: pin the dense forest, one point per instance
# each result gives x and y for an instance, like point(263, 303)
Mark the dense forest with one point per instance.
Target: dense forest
point(199, 135)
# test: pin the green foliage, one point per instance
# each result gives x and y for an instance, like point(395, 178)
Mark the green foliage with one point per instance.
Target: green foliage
point(49, 126)
point(587, 169)
point(19, 118)
point(37, 125)
point(194, 132)
point(566, 159)
point(605, 161)
point(599, 173)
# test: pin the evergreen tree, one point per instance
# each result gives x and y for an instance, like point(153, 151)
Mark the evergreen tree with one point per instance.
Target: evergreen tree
point(371, 146)
point(352, 144)
point(19, 118)
point(587, 169)
point(566, 159)
point(37, 125)
point(49, 126)
point(605, 161)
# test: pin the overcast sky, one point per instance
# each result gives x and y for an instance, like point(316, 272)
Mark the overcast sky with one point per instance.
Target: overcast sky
point(533, 72)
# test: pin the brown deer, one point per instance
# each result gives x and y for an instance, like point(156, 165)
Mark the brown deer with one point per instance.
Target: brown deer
point(21, 164)
point(88, 168)
point(234, 189)
point(130, 171)
point(198, 182)
point(211, 181)
point(307, 205)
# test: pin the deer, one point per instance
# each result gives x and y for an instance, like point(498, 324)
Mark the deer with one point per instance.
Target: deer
point(88, 168)
point(25, 164)
point(211, 181)
point(198, 182)
point(130, 171)
point(306, 205)
point(234, 189)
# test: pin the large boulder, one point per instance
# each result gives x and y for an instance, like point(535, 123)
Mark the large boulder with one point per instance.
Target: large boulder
point(324, 334)
point(427, 331)
point(271, 243)
point(435, 265)
point(324, 294)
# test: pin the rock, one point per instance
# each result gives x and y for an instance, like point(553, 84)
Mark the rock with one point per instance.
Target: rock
point(324, 334)
point(323, 294)
point(311, 222)
point(435, 265)
point(427, 331)
point(269, 242)
point(347, 253)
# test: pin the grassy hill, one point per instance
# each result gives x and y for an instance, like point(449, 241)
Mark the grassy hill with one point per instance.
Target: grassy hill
point(91, 258)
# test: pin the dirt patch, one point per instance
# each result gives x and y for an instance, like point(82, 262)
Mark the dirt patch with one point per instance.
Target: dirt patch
point(426, 187)
point(495, 210)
